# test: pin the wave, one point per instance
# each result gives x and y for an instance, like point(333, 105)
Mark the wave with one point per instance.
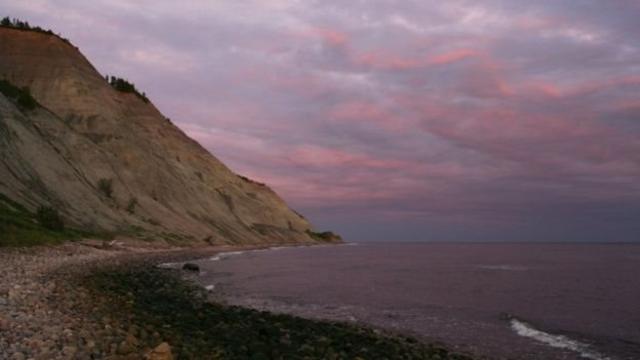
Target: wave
point(556, 341)
point(223, 255)
point(504, 267)
point(169, 265)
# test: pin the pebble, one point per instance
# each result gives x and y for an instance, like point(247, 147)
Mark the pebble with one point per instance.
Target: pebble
point(40, 313)
point(160, 352)
point(45, 316)
point(69, 351)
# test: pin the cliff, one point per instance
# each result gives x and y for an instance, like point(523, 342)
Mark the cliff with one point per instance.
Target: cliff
point(109, 161)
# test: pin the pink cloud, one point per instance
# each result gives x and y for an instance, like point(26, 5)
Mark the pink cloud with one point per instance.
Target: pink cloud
point(320, 157)
point(300, 83)
point(544, 88)
point(387, 61)
point(452, 57)
point(367, 112)
point(591, 87)
point(330, 36)
point(381, 59)
point(578, 89)
point(545, 143)
point(538, 23)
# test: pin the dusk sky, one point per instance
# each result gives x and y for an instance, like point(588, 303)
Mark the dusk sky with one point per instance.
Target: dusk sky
point(396, 120)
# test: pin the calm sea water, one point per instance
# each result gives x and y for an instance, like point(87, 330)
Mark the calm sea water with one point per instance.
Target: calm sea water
point(516, 301)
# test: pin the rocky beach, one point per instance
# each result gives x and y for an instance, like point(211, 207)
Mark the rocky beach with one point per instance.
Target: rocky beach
point(39, 315)
point(88, 301)
point(44, 315)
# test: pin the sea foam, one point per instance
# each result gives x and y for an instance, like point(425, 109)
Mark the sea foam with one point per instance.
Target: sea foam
point(557, 341)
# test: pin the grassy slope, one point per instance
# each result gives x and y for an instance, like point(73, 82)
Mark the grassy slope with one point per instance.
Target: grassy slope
point(19, 227)
point(177, 311)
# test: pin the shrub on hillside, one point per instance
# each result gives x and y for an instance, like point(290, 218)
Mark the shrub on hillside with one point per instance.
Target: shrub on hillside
point(251, 181)
point(125, 86)
point(49, 218)
point(106, 187)
point(24, 25)
point(25, 100)
point(131, 206)
point(21, 96)
point(328, 236)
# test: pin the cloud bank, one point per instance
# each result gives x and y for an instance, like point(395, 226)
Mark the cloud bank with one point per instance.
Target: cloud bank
point(397, 120)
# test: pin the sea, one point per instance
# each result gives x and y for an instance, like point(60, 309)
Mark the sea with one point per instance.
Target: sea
point(495, 300)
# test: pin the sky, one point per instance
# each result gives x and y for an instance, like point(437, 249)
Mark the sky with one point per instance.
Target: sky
point(414, 120)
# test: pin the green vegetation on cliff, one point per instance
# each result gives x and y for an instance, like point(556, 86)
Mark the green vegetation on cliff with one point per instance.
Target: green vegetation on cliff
point(20, 227)
point(21, 96)
point(125, 86)
point(18, 24)
point(325, 236)
point(251, 181)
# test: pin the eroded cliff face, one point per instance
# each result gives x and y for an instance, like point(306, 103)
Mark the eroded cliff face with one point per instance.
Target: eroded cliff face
point(165, 185)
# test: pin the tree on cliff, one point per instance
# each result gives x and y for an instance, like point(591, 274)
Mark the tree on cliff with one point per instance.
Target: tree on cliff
point(7, 22)
point(123, 85)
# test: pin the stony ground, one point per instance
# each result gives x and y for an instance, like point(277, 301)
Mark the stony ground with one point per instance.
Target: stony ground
point(37, 318)
point(84, 301)
point(44, 316)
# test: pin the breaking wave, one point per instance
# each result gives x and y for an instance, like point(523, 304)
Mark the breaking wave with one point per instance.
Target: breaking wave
point(225, 255)
point(557, 341)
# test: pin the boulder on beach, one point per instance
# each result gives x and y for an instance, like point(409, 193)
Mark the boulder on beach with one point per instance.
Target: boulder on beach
point(191, 267)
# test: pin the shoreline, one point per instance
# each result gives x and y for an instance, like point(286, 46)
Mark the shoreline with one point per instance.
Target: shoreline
point(333, 284)
point(67, 302)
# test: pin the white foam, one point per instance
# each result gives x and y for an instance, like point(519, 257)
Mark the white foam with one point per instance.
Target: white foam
point(285, 247)
point(169, 265)
point(225, 255)
point(557, 341)
point(232, 253)
point(210, 287)
point(504, 267)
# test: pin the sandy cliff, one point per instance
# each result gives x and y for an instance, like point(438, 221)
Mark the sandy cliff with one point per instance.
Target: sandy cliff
point(85, 131)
